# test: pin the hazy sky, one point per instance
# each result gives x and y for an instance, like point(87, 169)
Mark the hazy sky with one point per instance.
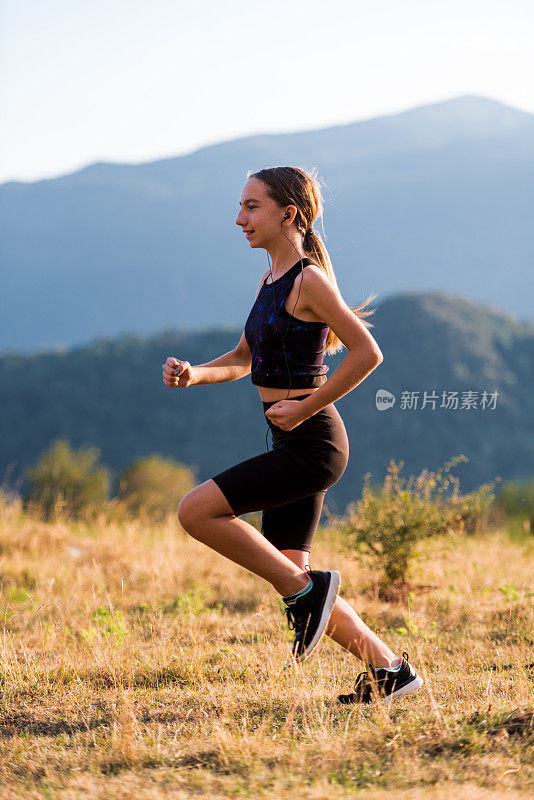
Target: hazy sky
point(136, 80)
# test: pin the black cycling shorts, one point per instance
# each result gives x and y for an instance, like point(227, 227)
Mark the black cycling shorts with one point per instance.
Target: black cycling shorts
point(289, 482)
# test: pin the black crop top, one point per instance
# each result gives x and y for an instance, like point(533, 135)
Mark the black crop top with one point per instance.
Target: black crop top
point(304, 342)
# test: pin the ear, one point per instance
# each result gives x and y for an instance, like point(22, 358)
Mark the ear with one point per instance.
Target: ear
point(289, 214)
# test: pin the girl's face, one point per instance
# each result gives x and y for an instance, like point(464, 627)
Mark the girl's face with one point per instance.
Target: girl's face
point(260, 217)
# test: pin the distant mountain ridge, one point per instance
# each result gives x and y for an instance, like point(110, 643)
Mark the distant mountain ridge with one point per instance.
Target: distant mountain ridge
point(110, 394)
point(439, 197)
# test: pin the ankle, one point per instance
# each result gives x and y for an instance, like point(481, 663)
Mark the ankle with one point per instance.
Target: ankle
point(387, 663)
point(297, 584)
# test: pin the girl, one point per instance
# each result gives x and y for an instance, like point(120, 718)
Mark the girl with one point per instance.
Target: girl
point(298, 314)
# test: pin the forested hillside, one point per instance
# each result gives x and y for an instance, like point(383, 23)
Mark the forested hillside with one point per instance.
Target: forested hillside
point(110, 395)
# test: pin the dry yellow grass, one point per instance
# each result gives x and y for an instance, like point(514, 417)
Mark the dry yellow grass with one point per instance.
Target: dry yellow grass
point(137, 663)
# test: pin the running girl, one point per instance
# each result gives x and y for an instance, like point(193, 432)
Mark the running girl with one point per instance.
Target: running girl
point(298, 315)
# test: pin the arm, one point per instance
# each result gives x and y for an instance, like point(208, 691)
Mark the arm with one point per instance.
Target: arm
point(364, 354)
point(229, 367)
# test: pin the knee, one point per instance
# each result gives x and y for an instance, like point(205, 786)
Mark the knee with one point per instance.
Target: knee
point(186, 512)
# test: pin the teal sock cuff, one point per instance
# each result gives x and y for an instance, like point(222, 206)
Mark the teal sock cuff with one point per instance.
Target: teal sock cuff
point(302, 591)
point(390, 669)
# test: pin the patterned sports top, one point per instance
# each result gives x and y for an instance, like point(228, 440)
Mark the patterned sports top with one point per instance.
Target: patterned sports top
point(269, 324)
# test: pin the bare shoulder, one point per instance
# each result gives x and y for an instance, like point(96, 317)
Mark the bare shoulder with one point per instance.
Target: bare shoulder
point(318, 273)
point(317, 281)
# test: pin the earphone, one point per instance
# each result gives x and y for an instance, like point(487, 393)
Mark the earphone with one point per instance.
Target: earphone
point(287, 327)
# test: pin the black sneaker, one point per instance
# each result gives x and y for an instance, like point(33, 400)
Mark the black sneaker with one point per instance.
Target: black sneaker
point(383, 684)
point(308, 613)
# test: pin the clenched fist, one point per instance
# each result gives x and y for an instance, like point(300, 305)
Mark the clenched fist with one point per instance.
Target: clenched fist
point(177, 374)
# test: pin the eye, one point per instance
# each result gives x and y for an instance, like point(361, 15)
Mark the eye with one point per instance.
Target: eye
point(252, 207)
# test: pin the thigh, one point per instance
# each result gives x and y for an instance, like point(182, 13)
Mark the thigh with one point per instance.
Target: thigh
point(270, 479)
point(292, 526)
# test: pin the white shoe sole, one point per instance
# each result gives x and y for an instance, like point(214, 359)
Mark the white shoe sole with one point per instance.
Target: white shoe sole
point(333, 589)
point(413, 686)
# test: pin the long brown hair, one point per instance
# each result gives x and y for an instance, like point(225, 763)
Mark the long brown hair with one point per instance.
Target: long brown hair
point(297, 187)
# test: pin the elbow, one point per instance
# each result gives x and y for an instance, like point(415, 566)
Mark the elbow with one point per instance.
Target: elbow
point(375, 361)
point(372, 358)
point(376, 358)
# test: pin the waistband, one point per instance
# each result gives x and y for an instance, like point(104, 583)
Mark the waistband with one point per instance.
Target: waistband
point(269, 403)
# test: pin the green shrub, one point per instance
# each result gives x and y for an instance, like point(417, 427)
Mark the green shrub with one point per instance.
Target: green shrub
point(154, 486)
point(388, 522)
point(112, 624)
point(67, 482)
point(516, 500)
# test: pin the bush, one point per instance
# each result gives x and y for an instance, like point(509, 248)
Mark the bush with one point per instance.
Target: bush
point(387, 524)
point(154, 486)
point(67, 482)
point(516, 500)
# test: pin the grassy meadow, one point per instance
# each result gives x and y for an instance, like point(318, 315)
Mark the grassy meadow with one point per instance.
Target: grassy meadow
point(137, 663)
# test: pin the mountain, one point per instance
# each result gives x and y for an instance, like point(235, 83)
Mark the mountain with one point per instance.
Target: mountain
point(110, 394)
point(437, 198)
